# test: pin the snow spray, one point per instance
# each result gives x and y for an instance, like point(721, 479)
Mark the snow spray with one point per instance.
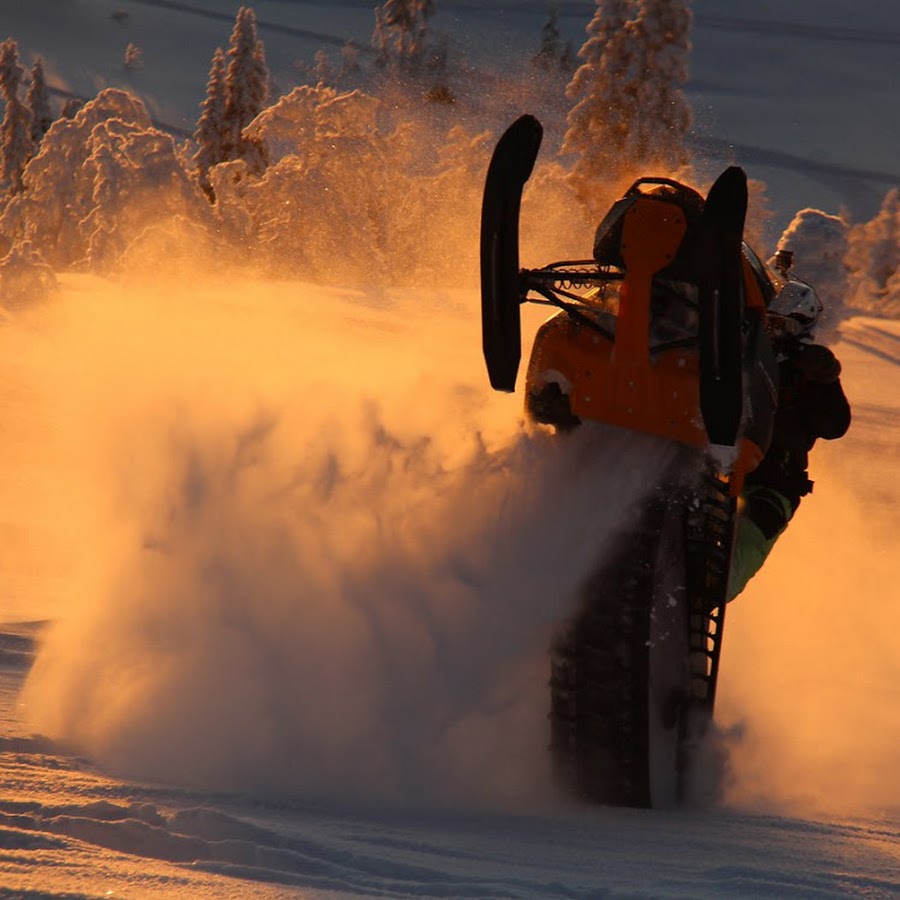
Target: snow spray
point(310, 552)
point(808, 695)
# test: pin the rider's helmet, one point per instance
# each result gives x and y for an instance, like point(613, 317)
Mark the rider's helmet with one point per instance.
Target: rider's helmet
point(799, 305)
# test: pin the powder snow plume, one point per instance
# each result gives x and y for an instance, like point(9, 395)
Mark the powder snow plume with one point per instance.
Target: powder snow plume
point(811, 658)
point(305, 548)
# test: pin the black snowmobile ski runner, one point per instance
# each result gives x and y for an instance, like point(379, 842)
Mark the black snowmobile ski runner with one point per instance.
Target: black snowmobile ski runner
point(510, 168)
point(721, 307)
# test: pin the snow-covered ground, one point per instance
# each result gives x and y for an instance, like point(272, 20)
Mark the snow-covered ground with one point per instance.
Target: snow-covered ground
point(281, 570)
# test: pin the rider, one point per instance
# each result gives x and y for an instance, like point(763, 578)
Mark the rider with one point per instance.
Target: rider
point(811, 401)
point(811, 405)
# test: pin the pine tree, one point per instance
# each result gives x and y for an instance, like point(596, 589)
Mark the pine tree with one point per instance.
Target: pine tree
point(550, 53)
point(38, 102)
point(210, 130)
point(630, 113)
point(246, 88)
point(401, 32)
point(350, 67)
point(882, 242)
point(134, 57)
point(322, 71)
point(70, 108)
point(873, 259)
point(16, 144)
point(661, 35)
point(604, 110)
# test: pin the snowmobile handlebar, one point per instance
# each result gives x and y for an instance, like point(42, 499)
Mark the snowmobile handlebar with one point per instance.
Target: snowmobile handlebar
point(565, 274)
point(785, 332)
point(656, 180)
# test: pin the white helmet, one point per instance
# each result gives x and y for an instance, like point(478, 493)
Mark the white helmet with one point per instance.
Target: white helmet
point(797, 301)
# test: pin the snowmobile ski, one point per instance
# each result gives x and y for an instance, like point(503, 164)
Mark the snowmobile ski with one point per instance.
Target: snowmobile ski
point(721, 307)
point(510, 167)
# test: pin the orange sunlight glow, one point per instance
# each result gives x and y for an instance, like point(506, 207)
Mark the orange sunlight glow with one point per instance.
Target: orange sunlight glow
point(288, 540)
point(811, 662)
point(302, 545)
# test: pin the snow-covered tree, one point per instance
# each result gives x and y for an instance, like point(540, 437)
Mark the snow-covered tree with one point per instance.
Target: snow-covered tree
point(71, 107)
point(322, 71)
point(874, 254)
point(38, 102)
point(401, 32)
point(350, 66)
point(24, 277)
point(16, 143)
point(58, 196)
point(288, 127)
point(136, 181)
point(661, 32)
point(97, 180)
point(328, 177)
point(134, 57)
point(246, 89)
point(629, 114)
point(210, 131)
point(819, 242)
point(603, 111)
point(551, 45)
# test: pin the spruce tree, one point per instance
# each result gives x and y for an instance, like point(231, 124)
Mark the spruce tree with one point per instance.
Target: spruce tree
point(210, 132)
point(134, 57)
point(16, 144)
point(604, 111)
point(550, 54)
point(630, 114)
point(661, 34)
point(70, 108)
point(38, 102)
point(401, 32)
point(875, 246)
point(884, 241)
point(350, 67)
point(246, 89)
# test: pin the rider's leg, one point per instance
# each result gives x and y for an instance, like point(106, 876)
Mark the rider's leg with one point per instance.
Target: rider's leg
point(764, 517)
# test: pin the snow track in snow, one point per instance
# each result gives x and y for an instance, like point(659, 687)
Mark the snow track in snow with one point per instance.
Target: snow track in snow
point(224, 844)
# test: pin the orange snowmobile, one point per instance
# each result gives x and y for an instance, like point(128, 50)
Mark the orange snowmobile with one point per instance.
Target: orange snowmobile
point(662, 332)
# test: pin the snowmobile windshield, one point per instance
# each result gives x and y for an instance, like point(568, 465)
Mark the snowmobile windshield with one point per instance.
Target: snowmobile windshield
point(674, 314)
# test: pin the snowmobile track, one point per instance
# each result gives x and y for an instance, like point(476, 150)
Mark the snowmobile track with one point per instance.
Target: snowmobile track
point(633, 673)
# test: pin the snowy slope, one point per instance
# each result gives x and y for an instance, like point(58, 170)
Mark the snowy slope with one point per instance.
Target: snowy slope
point(801, 95)
point(279, 567)
point(68, 826)
point(202, 664)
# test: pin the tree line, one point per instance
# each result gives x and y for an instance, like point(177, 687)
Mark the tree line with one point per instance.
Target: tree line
point(288, 177)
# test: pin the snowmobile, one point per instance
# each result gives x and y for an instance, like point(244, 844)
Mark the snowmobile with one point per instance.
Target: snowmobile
point(662, 332)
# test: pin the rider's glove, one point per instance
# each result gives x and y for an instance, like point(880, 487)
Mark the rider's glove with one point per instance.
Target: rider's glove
point(817, 363)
